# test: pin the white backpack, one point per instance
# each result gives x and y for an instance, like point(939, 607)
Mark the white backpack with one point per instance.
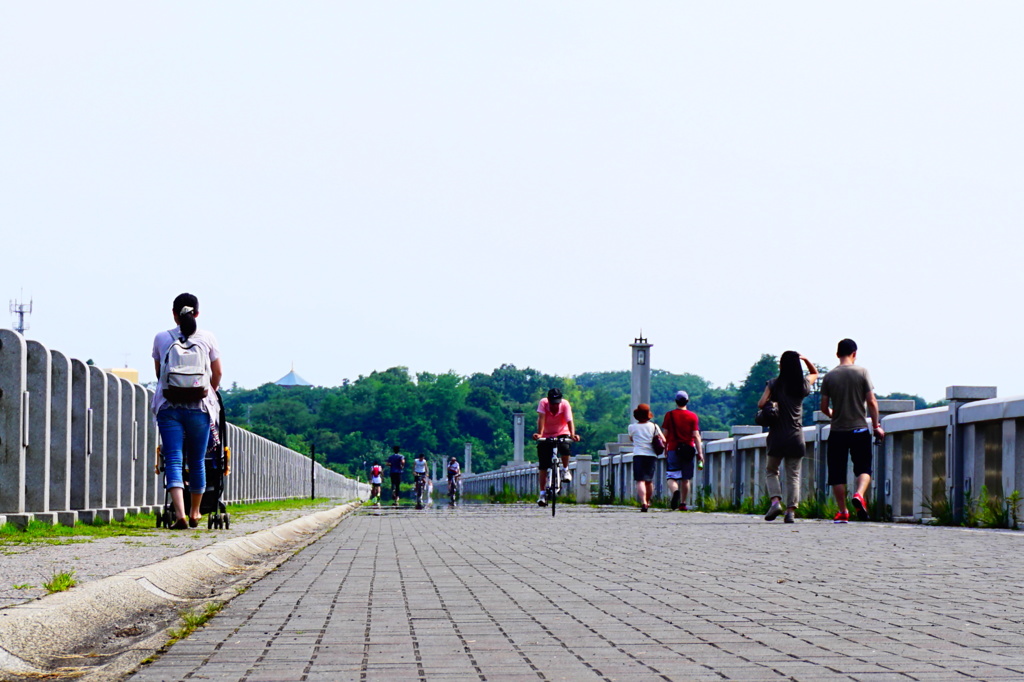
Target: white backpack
point(185, 372)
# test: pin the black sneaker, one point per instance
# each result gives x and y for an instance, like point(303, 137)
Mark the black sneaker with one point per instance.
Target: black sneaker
point(676, 498)
point(541, 502)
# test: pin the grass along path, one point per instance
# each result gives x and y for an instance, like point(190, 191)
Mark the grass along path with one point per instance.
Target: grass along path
point(136, 524)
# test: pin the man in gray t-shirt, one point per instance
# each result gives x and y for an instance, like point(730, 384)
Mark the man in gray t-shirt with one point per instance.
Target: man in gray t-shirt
point(848, 397)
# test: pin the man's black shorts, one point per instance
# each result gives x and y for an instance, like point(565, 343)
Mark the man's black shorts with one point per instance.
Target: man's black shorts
point(396, 480)
point(856, 445)
point(546, 448)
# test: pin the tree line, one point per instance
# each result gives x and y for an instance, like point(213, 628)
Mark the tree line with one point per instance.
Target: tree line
point(354, 425)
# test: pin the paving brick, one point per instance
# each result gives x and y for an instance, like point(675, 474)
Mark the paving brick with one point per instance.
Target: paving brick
point(508, 593)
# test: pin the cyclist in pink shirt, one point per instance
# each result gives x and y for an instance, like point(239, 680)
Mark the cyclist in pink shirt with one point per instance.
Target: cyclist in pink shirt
point(554, 418)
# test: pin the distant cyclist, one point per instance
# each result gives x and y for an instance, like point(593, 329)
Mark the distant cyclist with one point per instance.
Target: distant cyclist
point(554, 418)
point(419, 472)
point(454, 476)
point(375, 482)
point(397, 463)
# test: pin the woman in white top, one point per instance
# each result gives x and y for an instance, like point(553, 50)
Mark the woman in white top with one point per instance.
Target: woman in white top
point(641, 434)
point(185, 424)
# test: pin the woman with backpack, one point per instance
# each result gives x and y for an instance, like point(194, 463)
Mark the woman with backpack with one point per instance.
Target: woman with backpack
point(641, 435)
point(188, 370)
point(786, 438)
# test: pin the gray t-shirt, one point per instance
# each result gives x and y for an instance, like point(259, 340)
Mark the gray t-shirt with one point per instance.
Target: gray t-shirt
point(847, 388)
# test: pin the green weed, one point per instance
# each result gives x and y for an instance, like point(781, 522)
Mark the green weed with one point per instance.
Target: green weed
point(818, 506)
point(60, 582)
point(193, 620)
point(23, 586)
point(940, 510)
point(507, 495)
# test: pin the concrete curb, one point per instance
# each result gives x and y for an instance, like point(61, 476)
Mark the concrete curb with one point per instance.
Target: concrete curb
point(37, 635)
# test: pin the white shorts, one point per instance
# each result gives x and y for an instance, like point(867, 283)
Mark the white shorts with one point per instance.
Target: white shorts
point(675, 475)
point(375, 480)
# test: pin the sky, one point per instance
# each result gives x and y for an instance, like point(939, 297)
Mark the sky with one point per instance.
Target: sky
point(456, 185)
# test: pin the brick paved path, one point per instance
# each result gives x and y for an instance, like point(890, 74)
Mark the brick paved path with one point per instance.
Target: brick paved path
point(508, 593)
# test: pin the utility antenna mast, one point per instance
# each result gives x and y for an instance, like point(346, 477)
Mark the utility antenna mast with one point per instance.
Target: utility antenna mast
point(21, 309)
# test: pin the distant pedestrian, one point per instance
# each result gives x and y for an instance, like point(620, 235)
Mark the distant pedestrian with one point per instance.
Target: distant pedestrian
point(848, 397)
point(641, 435)
point(396, 462)
point(786, 438)
point(683, 449)
point(188, 370)
point(376, 475)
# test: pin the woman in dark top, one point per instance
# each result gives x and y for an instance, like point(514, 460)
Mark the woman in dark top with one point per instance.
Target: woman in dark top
point(786, 439)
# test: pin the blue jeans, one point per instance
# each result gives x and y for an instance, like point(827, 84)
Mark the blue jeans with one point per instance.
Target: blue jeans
point(181, 428)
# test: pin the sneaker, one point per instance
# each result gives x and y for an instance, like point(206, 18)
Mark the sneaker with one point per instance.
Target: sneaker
point(788, 518)
point(643, 507)
point(842, 517)
point(773, 511)
point(860, 506)
point(566, 475)
point(541, 502)
point(676, 499)
point(683, 507)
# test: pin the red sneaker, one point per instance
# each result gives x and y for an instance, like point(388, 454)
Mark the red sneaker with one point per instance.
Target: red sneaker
point(842, 517)
point(861, 506)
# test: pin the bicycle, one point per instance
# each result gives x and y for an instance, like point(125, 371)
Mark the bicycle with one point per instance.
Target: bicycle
point(420, 488)
point(453, 491)
point(555, 473)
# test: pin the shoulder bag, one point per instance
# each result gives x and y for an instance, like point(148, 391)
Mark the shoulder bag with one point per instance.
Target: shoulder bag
point(768, 416)
point(658, 441)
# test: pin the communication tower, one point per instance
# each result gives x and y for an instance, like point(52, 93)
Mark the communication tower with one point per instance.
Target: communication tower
point(21, 309)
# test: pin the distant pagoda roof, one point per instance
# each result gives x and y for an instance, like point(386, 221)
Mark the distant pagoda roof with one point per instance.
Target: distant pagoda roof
point(292, 379)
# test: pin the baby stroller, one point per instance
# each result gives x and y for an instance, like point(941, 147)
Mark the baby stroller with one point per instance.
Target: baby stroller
point(218, 465)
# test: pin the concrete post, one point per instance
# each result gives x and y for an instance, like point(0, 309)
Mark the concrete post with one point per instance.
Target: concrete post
point(60, 438)
point(640, 377)
point(737, 469)
point(113, 429)
point(881, 484)
point(81, 435)
point(98, 458)
point(141, 464)
point(469, 458)
point(126, 428)
point(959, 480)
point(584, 475)
point(13, 403)
point(37, 455)
point(518, 437)
point(821, 422)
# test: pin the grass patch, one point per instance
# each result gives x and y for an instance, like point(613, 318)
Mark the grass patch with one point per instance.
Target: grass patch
point(23, 586)
point(43, 533)
point(507, 495)
point(60, 582)
point(192, 620)
point(275, 505)
point(37, 532)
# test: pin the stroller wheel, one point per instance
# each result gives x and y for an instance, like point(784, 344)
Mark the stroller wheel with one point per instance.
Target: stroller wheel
point(211, 521)
point(159, 519)
point(226, 522)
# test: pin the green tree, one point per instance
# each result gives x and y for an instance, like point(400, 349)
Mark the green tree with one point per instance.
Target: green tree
point(766, 368)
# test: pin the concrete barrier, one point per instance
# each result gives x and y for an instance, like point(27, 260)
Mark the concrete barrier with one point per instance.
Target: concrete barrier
point(79, 443)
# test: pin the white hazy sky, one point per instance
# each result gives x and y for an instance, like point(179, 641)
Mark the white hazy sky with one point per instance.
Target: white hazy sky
point(455, 185)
